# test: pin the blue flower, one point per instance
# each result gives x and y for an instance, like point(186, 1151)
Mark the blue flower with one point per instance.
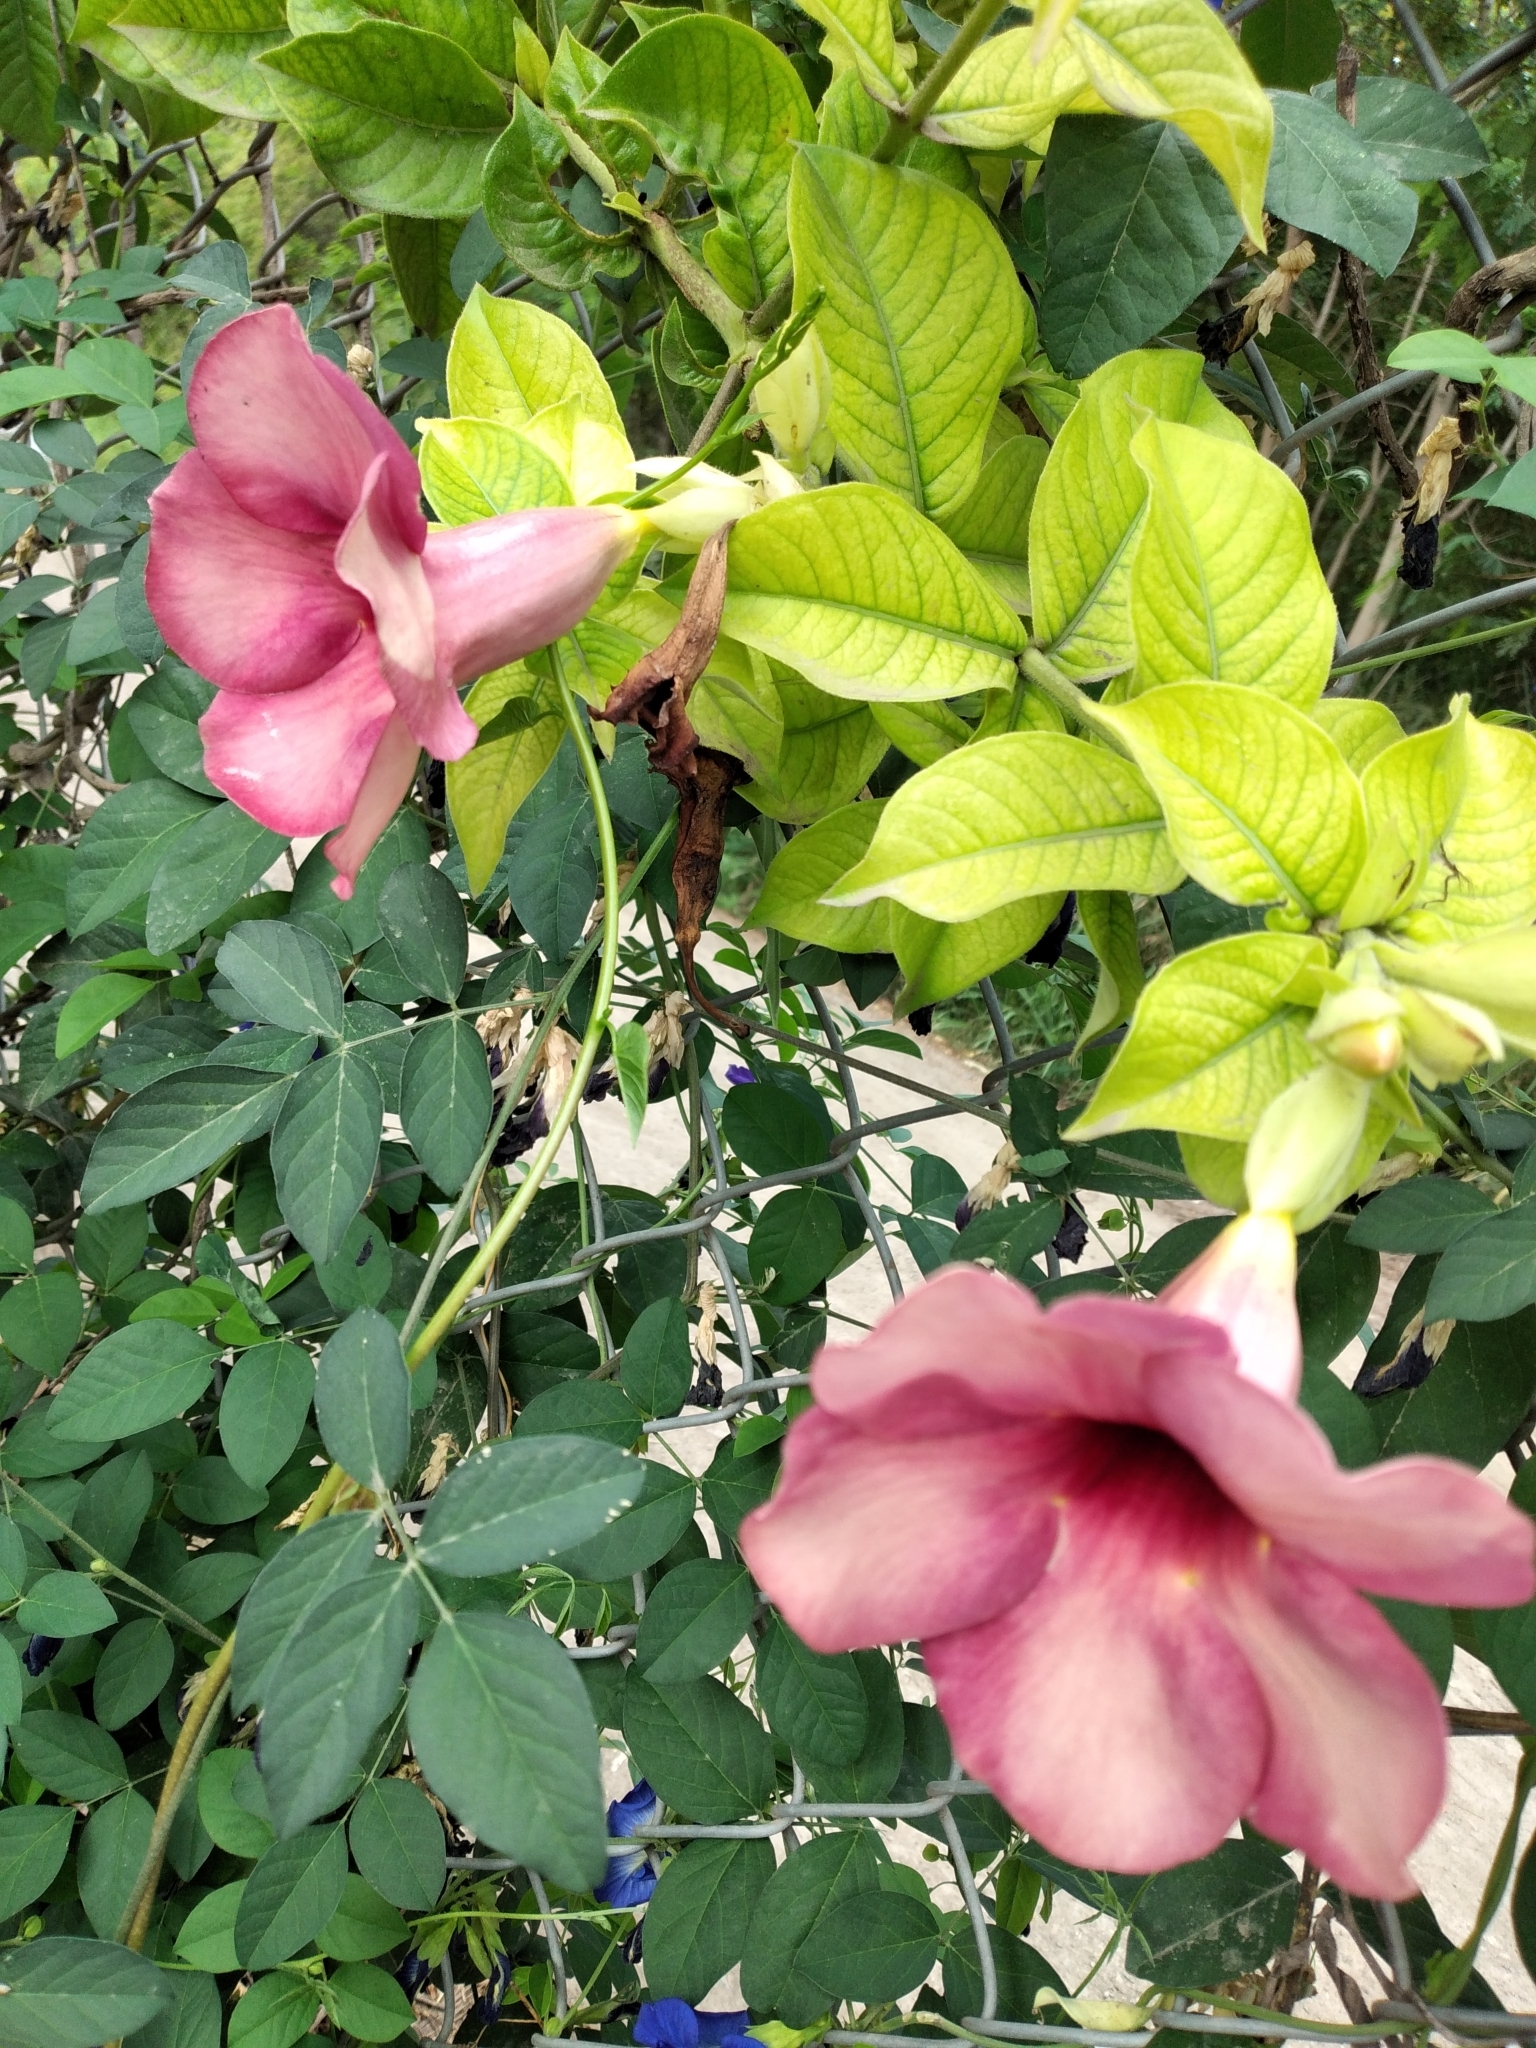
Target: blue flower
point(673, 2023)
point(40, 1653)
point(630, 1880)
point(487, 2008)
point(737, 1074)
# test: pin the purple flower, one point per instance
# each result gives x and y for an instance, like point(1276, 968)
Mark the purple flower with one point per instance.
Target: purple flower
point(673, 2023)
point(630, 1880)
point(738, 1075)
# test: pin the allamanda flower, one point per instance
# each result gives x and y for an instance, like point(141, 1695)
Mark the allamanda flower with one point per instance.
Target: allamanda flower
point(290, 563)
point(1134, 1566)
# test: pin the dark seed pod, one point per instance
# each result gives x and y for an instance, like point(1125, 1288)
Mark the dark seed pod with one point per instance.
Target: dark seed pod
point(1071, 1240)
point(1421, 551)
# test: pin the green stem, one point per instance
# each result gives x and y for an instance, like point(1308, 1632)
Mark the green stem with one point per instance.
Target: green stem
point(1064, 692)
point(1447, 1975)
point(1352, 668)
point(696, 284)
point(196, 1733)
point(597, 14)
point(1449, 1128)
point(107, 1569)
point(586, 1058)
point(903, 126)
point(448, 1236)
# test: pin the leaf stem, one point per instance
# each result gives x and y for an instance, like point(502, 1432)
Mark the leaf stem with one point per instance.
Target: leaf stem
point(697, 285)
point(1349, 668)
point(1063, 692)
point(160, 1604)
point(586, 1058)
point(904, 125)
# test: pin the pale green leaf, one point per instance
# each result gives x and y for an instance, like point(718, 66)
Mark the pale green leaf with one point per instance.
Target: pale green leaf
point(866, 598)
point(922, 319)
point(487, 786)
point(1358, 726)
point(92, 1007)
point(207, 49)
point(808, 868)
point(509, 360)
point(859, 33)
point(1026, 814)
point(1224, 580)
point(828, 750)
point(938, 960)
point(396, 117)
point(1090, 501)
point(1260, 805)
point(525, 216)
point(722, 104)
point(1212, 1043)
point(475, 469)
point(1483, 878)
point(1109, 919)
point(632, 1064)
point(1164, 60)
point(991, 528)
point(1327, 181)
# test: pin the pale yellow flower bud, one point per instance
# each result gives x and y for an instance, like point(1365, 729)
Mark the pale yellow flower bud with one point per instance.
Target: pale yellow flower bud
point(1300, 1156)
point(794, 401)
point(1361, 1029)
point(1446, 1036)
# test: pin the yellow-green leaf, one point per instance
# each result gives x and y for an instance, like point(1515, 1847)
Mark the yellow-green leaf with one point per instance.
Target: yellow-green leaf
point(991, 528)
point(1026, 814)
point(206, 50)
point(92, 1006)
point(509, 360)
point(1260, 805)
point(1413, 789)
point(938, 960)
point(866, 598)
point(828, 751)
point(1224, 579)
point(1213, 1041)
point(1109, 919)
point(922, 319)
point(1091, 498)
point(1166, 60)
point(1484, 876)
point(859, 33)
point(487, 786)
point(474, 469)
point(1358, 726)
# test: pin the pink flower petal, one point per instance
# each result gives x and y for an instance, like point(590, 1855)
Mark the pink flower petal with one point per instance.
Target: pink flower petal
point(296, 760)
point(1246, 1282)
point(1409, 1529)
point(384, 786)
point(1356, 1766)
point(971, 1348)
point(867, 1542)
point(249, 606)
point(1110, 1711)
point(290, 436)
point(507, 585)
point(374, 558)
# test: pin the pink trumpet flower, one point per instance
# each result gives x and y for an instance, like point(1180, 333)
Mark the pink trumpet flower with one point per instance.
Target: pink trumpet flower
point(290, 563)
point(1135, 1568)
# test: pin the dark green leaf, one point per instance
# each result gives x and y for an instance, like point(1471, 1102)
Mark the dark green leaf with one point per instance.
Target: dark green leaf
point(264, 1408)
point(221, 855)
point(734, 1486)
point(1488, 1273)
point(1137, 223)
point(1292, 43)
point(693, 1620)
point(33, 1842)
point(1325, 180)
point(40, 1319)
point(423, 919)
point(699, 1747)
point(815, 1703)
point(211, 1491)
point(133, 1670)
point(112, 1849)
point(69, 1755)
point(64, 1604)
point(1416, 132)
point(123, 844)
point(1336, 1282)
point(278, 1606)
point(285, 975)
point(552, 871)
point(511, 1504)
point(66, 1992)
point(817, 1879)
point(325, 1146)
point(134, 1378)
point(445, 1097)
point(596, 1409)
point(873, 1946)
point(770, 1128)
point(874, 1770)
point(175, 1128)
point(696, 1922)
point(363, 1400)
point(397, 1843)
point(643, 1533)
point(323, 1701)
point(501, 1724)
point(656, 1365)
point(1209, 1921)
point(289, 1896)
point(1470, 1404)
point(1424, 1215)
point(796, 1242)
